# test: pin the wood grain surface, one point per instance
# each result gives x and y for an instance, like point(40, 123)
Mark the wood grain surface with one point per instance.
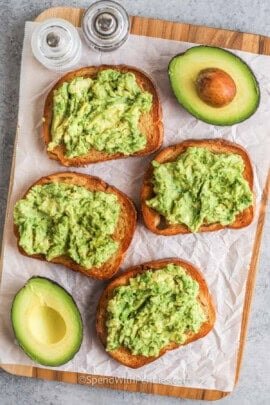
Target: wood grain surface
point(197, 34)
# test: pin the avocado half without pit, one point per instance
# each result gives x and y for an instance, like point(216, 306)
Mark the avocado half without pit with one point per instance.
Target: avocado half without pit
point(46, 322)
point(214, 85)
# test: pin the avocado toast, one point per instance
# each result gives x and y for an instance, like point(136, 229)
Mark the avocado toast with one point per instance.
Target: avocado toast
point(101, 113)
point(214, 176)
point(76, 220)
point(153, 308)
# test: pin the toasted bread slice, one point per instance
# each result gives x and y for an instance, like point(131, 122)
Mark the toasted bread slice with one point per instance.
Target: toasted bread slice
point(150, 123)
point(123, 355)
point(123, 232)
point(157, 223)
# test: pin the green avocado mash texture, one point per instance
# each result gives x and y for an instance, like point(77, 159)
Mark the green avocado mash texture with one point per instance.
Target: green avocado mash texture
point(200, 187)
point(155, 308)
point(101, 114)
point(60, 219)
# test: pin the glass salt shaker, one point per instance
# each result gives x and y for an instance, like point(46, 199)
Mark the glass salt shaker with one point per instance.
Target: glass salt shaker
point(56, 44)
point(105, 25)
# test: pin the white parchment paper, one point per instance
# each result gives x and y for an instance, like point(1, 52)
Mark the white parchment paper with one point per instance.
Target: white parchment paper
point(222, 256)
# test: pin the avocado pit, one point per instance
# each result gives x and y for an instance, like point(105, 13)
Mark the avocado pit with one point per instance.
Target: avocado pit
point(215, 87)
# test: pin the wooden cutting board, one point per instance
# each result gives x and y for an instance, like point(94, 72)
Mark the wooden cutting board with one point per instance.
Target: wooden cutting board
point(190, 33)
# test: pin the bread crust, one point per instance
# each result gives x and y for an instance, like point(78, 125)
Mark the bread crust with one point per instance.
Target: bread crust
point(123, 232)
point(150, 123)
point(158, 224)
point(123, 355)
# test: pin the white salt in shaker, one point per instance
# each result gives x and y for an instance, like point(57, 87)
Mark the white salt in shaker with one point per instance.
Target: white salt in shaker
point(56, 44)
point(105, 25)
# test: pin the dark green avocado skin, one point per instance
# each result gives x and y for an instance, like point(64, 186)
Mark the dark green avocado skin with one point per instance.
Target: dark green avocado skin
point(32, 357)
point(197, 115)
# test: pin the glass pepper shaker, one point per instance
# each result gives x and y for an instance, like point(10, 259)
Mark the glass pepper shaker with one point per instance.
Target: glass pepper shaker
point(105, 25)
point(56, 44)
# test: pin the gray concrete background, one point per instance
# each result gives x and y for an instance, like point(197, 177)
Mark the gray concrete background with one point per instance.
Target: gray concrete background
point(242, 15)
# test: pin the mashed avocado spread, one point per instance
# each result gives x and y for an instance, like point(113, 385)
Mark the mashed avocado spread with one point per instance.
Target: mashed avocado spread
point(101, 114)
point(155, 308)
point(200, 187)
point(61, 219)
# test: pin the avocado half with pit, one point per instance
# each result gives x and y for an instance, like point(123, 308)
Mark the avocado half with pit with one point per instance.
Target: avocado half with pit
point(214, 85)
point(46, 322)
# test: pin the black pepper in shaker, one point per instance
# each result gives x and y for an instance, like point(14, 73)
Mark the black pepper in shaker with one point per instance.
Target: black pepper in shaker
point(105, 25)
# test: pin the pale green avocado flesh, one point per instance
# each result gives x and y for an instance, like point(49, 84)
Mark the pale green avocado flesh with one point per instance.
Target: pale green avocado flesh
point(155, 308)
point(58, 219)
point(46, 322)
point(100, 114)
point(183, 72)
point(200, 187)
